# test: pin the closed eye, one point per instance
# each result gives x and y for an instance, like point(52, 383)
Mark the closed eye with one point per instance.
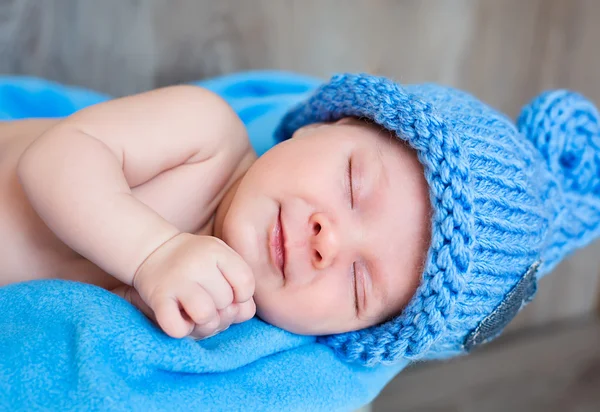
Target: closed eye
point(355, 282)
point(349, 173)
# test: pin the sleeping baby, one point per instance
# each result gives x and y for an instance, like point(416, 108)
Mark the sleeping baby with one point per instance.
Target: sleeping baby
point(393, 222)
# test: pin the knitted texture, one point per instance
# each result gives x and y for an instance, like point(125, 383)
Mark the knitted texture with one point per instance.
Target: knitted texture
point(501, 202)
point(565, 127)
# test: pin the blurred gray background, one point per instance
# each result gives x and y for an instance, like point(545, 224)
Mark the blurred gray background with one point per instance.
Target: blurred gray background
point(503, 51)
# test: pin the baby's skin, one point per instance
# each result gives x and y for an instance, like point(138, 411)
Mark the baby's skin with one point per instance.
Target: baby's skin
point(160, 198)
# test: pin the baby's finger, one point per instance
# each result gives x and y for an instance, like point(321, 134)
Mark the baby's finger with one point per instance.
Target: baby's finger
point(198, 305)
point(246, 311)
point(207, 330)
point(219, 289)
point(170, 319)
point(239, 275)
point(227, 316)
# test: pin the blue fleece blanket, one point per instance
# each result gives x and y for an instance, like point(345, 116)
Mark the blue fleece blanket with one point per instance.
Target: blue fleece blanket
point(71, 346)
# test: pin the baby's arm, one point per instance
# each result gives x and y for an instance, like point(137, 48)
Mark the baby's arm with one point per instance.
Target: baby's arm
point(78, 175)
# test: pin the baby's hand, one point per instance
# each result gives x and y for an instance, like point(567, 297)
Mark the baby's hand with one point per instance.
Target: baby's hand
point(195, 285)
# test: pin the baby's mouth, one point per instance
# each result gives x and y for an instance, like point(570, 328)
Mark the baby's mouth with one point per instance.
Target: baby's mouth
point(277, 245)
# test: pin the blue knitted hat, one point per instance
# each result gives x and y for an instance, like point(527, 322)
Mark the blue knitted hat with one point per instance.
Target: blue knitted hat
point(508, 204)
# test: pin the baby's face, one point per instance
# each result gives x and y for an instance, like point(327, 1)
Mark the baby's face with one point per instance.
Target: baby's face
point(335, 224)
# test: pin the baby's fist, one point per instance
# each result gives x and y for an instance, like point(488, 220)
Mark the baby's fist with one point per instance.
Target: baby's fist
point(195, 285)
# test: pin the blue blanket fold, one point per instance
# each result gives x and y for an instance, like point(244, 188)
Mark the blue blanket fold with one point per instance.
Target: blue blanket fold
point(71, 346)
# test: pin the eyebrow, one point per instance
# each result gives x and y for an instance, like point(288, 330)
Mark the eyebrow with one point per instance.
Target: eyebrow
point(379, 147)
point(377, 290)
point(378, 182)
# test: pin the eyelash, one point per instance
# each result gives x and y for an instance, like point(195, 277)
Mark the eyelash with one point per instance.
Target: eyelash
point(354, 276)
point(350, 183)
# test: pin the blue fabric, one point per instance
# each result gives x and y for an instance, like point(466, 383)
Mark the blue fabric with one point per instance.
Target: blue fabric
point(72, 346)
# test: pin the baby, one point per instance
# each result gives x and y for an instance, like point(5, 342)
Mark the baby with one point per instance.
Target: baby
point(160, 198)
point(394, 222)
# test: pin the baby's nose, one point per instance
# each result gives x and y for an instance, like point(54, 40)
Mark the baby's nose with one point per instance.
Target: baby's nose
point(324, 244)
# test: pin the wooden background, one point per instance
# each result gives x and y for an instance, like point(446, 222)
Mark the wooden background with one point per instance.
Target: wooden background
point(503, 51)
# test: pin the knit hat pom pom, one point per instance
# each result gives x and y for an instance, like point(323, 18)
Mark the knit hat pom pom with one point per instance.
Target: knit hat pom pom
point(565, 127)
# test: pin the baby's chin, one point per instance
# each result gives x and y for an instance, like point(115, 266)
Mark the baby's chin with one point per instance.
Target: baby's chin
point(292, 320)
point(281, 317)
point(287, 325)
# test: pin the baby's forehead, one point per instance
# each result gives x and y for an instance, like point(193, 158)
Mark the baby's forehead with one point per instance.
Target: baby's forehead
point(359, 132)
point(365, 127)
point(384, 140)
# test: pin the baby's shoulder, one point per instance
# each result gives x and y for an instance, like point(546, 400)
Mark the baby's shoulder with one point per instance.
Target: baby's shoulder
point(191, 109)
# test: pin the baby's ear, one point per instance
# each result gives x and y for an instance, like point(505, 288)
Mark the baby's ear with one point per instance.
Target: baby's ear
point(564, 127)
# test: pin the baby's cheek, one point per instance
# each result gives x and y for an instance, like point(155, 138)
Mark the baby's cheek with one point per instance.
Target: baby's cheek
point(284, 310)
point(308, 311)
